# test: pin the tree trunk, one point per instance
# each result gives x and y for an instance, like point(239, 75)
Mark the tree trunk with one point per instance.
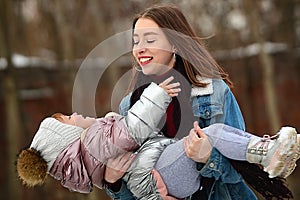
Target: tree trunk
point(12, 111)
point(63, 30)
point(103, 28)
point(267, 66)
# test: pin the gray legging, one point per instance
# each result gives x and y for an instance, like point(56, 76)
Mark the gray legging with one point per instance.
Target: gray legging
point(173, 164)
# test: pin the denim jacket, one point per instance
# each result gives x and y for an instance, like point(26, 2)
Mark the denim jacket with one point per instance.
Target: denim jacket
point(213, 104)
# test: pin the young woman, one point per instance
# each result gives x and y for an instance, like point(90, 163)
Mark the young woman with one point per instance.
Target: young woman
point(164, 44)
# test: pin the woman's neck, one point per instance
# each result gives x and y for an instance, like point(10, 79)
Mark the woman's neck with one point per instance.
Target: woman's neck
point(162, 77)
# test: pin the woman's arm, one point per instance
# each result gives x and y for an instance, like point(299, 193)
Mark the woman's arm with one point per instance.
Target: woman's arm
point(197, 145)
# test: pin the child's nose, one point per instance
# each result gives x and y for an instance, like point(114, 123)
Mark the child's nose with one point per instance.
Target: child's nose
point(74, 114)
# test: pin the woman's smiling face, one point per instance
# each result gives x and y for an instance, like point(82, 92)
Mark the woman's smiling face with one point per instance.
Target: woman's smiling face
point(151, 48)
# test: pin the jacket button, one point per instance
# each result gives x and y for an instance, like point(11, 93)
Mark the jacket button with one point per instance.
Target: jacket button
point(207, 113)
point(211, 165)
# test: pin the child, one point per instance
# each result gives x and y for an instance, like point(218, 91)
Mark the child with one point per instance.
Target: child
point(74, 150)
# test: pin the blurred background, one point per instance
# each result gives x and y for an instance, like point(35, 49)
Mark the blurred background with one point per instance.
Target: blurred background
point(43, 43)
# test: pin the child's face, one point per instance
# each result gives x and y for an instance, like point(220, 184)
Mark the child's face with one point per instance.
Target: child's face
point(78, 120)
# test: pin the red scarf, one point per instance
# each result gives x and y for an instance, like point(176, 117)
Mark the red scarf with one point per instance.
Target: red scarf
point(171, 130)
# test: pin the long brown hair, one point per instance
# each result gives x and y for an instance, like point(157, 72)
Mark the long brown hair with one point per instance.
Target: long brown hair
point(197, 61)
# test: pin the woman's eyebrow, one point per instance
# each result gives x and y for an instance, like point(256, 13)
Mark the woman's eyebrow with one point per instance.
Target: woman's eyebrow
point(145, 34)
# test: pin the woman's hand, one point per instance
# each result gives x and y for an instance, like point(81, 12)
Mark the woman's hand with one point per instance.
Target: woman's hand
point(197, 145)
point(171, 88)
point(116, 167)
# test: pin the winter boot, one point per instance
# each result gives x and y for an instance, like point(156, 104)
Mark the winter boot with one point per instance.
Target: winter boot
point(277, 154)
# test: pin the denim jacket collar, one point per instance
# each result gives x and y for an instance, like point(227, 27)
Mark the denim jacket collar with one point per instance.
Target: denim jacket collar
point(200, 91)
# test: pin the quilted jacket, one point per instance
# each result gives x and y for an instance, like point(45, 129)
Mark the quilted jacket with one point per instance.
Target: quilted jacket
point(82, 164)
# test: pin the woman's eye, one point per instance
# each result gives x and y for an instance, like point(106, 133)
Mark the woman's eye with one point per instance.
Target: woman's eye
point(150, 41)
point(69, 117)
point(146, 41)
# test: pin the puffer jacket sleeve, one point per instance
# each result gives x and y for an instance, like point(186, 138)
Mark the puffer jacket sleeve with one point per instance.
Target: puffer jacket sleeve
point(139, 177)
point(144, 116)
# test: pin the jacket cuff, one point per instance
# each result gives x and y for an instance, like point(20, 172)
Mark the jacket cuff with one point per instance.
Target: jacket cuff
point(114, 187)
point(123, 191)
point(154, 92)
point(211, 166)
point(219, 167)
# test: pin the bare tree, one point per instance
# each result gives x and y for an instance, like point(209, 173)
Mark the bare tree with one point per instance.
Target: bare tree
point(64, 29)
point(251, 9)
point(63, 45)
point(11, 99)
point(103, 27)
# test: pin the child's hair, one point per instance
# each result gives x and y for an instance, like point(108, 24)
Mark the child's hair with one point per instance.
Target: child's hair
point(31, 167)
point(58, 116)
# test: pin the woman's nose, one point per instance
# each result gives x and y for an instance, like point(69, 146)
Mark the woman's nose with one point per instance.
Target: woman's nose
point(140, 47)
point(141, 50)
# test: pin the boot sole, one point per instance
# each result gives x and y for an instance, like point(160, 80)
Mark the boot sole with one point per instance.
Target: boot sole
point(288, 155)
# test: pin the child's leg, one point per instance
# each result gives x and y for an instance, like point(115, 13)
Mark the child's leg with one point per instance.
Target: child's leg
point(277, 154)
point(230, 141)
point(139, 176)
point(178, 172)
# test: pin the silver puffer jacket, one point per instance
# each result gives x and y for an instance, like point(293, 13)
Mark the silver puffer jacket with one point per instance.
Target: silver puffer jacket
point(139, 177)
point(82, 164)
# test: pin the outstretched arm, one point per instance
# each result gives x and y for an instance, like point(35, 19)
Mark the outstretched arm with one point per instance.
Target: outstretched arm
point(144, 116)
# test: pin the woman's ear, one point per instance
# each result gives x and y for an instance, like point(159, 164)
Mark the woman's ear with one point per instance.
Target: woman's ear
point(174, 49)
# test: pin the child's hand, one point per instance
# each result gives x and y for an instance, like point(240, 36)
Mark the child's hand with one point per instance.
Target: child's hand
point(171, 88)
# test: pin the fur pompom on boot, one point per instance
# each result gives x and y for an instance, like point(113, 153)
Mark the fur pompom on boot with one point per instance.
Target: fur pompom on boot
point(31, 167)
